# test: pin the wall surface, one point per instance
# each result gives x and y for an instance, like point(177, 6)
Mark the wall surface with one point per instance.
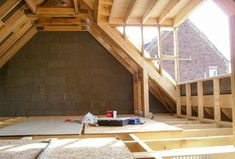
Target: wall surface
point(65, 73)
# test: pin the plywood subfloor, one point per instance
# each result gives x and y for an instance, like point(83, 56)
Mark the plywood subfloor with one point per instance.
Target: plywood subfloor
point(42, 127)
point(148, 126)
point(91, 148)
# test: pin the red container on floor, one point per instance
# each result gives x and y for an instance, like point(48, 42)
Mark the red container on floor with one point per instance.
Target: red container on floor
point(109, 114)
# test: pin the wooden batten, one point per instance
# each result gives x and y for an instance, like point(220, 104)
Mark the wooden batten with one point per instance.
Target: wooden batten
point(145, 91)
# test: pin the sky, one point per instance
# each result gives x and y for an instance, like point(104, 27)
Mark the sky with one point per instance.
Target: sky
point(208, 18)
point(213, 22)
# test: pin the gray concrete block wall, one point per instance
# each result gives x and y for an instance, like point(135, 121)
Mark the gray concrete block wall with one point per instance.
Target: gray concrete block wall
point(65, 73)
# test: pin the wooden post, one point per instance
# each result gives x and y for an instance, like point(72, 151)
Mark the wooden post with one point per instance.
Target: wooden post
point(137, 89)
point(216, 87)
point(178, 104)
point(142, 40)
point(200, 100)
point(232, 46)
point(188, 100)
point(176, 54)
point(145, 92)
point(159, 46)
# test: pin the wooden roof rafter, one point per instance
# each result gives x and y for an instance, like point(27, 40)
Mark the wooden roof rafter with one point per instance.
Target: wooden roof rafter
point(149, 10)
point(167, 10)
point(130, 10)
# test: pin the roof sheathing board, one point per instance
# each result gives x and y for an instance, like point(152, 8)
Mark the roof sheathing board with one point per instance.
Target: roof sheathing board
point(178, 8)
point(159, 8)
point(141, 7)
point(121, 7)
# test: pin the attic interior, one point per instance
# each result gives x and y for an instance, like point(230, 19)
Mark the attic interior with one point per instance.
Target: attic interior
point(61, 59)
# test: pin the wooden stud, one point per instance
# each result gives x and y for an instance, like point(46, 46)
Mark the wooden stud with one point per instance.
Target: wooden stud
point(137, 84)
point(145, 91)
point(200, 100)
point(176, 55)
point(142, 41)
point(232, 49)
point(188, 100)
point(216, 90)
point(149, 10)
point(159, 47)
point(178, 102)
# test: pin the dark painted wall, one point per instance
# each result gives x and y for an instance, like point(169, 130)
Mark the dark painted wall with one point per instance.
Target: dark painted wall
point(65, 73)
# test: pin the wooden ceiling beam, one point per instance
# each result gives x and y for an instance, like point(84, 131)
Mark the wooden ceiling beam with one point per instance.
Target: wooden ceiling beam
point(166, 11)
point(7, 7)
point(62, 28)
point(130, 10)
point(149, 11)
point(61, 21)
point(112, 9)
point(17, 46)
point(186, 11)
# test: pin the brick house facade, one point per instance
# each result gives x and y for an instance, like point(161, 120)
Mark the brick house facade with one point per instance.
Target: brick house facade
point(197, 54)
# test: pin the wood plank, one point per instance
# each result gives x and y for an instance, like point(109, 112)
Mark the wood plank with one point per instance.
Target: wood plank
point(197, 126)
point(185, 134)
point(232, 54)
point(166, 11)
point(149, 10)
point(62, 28)
point(58, 11)
point(186, 11)
point(190, 142)
point(216, 90)
point(62, 21)
point(18, 45)
point(10, 41)
point(130, 10)
point(225, 101)
point(12, 23)
point(7, 7)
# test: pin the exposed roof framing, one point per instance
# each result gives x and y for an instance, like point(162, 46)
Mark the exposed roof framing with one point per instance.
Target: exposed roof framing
point(96, 16)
